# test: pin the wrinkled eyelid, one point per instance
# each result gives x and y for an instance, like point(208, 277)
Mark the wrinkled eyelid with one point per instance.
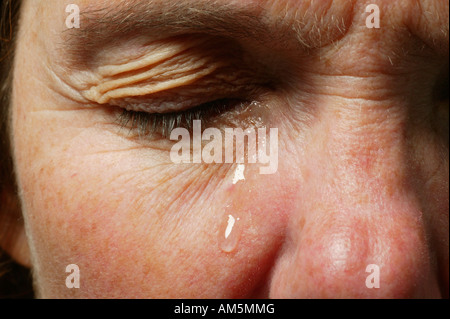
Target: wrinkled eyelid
point(147, 82)
point(169, 67)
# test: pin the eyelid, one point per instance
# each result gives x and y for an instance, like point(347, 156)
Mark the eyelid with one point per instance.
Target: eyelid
point(210, 88)
point(162, 50)
point(154, 80)
point(166, 64)
point(153, 125)
point(103, 93)
point(195, 70)
point(181, 99)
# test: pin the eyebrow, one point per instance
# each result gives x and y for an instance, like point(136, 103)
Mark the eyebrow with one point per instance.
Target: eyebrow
point(136, 17)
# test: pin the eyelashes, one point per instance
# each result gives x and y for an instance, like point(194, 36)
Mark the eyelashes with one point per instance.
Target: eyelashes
point(154, 125)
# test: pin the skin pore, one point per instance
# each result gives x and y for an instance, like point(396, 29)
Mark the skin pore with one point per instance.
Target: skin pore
point(363, 148)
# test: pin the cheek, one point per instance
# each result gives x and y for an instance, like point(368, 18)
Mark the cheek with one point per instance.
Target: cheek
point(140, 227)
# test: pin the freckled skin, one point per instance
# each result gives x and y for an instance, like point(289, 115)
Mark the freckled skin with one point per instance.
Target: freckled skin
point(362, 179)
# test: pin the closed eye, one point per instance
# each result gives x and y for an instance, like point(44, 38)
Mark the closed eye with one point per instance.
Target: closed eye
point(177, 80)
point(160, 125)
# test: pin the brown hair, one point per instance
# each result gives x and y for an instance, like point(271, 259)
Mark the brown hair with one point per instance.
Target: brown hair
point(15, 280)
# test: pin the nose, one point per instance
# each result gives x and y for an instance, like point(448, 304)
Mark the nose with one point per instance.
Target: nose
point(358, 229)
point(360, 224)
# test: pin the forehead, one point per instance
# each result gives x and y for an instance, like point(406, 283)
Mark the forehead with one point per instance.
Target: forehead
point(275, 22)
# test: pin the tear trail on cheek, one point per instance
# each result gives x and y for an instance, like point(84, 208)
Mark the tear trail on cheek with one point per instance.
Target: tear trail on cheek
point(239, 174)
point(230, 232)
point(232, 223)
point(237, 228)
